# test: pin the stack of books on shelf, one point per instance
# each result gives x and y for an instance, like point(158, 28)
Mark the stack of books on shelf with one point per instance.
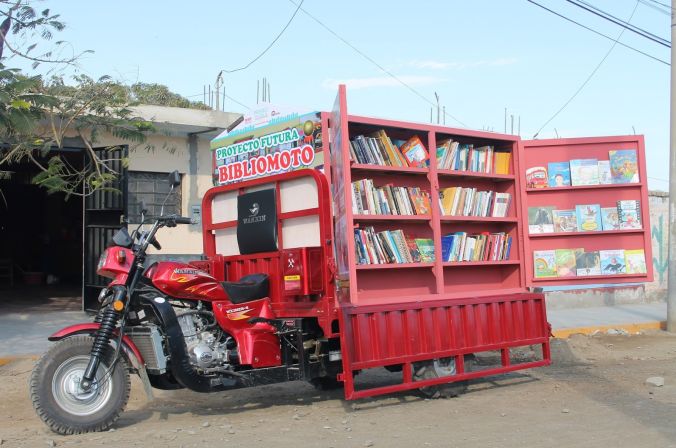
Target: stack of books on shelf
point(486, 246)
point(452, 155)
point(460, 201)
point(577, 262)
point(391, 246)
point(620, 168)
point(378, 149)
point(625, 215)
point(368, 199)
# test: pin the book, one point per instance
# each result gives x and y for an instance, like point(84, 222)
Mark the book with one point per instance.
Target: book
point(612, 262)
point(536, 177)
point(584, 172)
point(587, 263)
point(623, 166)
point(544, 263)
point(426, 249)
point(565, 262)
point(604, 172)
point(502, 162)
point(414, 152)
point(635, 261)
point(564, 220)
point(629, 214)
point(609, 218)
point(540, 219)
point(588, 217)
point(559, 174)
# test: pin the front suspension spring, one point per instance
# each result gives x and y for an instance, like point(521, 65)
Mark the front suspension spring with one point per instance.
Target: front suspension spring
point(105, 331)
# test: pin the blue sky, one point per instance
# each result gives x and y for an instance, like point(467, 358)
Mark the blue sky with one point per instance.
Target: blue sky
point(479, 56)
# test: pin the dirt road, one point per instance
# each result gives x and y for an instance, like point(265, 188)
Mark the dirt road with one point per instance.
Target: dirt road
point(593, 396)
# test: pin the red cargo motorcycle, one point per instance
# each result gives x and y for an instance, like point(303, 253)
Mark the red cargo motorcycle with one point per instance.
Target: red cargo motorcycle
point(176, 327)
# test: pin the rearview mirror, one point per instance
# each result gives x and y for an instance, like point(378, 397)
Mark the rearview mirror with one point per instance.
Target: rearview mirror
point(174, 179)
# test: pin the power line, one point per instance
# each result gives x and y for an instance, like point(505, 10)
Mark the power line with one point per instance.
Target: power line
point(591, 75)
point(269, 46)
point(623, 24)
point(655, 7)
point(362, 54)
point(633, 27)
point(596, 32)
point(661, 4)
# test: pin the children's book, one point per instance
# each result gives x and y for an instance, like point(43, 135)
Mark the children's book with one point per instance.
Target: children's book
point(415, 153)
point(544, 263)
point(612, 261)
point(588, 217)
point(426, 249)
point(536, 177)
point(604, 172)
point(623, 166)
point(635, 261)
point(588, 263)
point(565, 262)
point(564, 220)
point(584, 172)
point(540, 219)
point(629, 214)
point(609, 218)
point(559, 174)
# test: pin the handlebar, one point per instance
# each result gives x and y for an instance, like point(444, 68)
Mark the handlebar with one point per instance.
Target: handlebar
point(183, 220)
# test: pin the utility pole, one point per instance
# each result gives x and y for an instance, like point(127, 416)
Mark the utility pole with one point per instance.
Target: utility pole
point(219, 81)
point(671, 278)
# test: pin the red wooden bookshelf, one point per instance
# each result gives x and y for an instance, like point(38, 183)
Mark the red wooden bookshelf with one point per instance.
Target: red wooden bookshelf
point(540, 153)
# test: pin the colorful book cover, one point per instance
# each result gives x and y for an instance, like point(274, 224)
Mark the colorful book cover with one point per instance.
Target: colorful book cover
point(415, 153)
point(588, 263)
point(584, 172)
point(559, 174)
point(413, 250)
point(635, 261)
point(446, 247)
point(540, 219)
point(426, 249)
point(536, 177)
point(588, 217)
point(544, 263)
point(564, 220)
point(612, 261)
point(565, 262)
point(623, 166)
point(629, 214)
point(604, 172)
point(609, 218)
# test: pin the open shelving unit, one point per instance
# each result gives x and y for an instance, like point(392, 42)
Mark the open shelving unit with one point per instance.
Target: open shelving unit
point(540, 153)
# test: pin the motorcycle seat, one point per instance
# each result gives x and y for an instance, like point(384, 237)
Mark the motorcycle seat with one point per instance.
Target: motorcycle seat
point(248, 288)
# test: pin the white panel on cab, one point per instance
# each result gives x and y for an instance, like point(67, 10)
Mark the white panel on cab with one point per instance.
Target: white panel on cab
point(226, 241)
point(260, 187)
point(301, 232)
point(299, 194)
point(224, 207)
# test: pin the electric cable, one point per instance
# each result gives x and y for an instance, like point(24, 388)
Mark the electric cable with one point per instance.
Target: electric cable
point(596, 32)
point(372, 61)
point(655, 7)
point(591, 75)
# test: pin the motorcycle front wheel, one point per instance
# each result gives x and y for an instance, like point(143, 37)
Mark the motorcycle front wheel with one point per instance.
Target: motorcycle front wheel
point(58, 398)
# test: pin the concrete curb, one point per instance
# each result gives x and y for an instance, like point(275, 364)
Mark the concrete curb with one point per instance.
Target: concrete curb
point(565, 333)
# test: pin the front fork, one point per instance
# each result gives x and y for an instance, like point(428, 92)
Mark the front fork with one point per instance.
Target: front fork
point(109, 321)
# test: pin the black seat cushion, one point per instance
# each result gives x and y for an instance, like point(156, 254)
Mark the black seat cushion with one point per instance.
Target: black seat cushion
point(248, 288)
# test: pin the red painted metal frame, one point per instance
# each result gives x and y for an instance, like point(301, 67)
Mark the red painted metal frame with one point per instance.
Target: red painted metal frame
point(536, 153)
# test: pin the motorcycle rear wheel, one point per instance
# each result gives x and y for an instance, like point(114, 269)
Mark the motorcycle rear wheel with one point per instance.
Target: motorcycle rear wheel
point(61, 403)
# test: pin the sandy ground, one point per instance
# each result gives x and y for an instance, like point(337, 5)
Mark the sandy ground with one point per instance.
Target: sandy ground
point(594, 395)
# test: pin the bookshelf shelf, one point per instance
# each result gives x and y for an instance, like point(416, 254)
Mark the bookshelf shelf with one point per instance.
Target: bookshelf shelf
point(584, 187)
point(574, 234)
point(405, 218)
point(389, 169)
point(458, 264)
point(475, 175)
point(364, 267)
point(447, 218)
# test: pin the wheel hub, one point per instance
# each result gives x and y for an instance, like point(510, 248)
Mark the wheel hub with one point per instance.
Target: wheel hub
point(69, 394)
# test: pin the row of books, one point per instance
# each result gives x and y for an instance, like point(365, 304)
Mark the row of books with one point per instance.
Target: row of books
point(453, 155)
point(461, 201)
point(391, 246)
point(577, 262)
point(585, 218)
point(621, 168)
point(368, 199)
point(378, 149)
point(486, 246)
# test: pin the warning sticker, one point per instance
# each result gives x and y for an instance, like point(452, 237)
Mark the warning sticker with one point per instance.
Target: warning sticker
point(291, 282)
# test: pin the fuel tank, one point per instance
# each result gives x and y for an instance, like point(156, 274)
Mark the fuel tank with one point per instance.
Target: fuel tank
point(184, 281)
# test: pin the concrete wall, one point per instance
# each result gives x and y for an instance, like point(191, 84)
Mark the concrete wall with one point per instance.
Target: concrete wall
point(655, 291)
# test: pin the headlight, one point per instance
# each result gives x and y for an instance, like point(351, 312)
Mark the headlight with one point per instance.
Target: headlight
point(102, 260)
point(103, 294)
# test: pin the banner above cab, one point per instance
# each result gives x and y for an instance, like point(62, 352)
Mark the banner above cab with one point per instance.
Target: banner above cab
point(273, 145)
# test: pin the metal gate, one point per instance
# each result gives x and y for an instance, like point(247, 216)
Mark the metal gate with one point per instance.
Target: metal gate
point(103, 213)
